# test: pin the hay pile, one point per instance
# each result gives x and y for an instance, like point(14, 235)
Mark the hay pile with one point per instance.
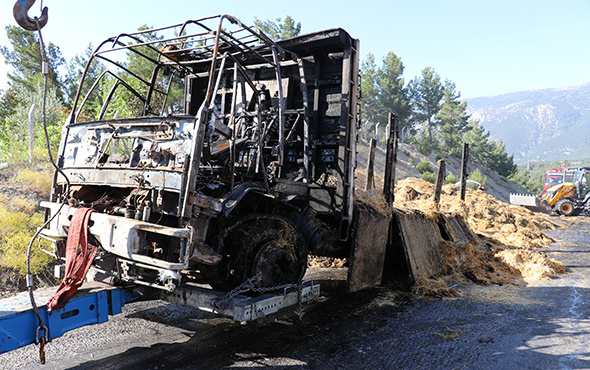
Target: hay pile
point(432, 288)
point(511, 225)
point(321, 261)
point(374, 199)
point(509, 236)
point(477, 263)
point(533, 265)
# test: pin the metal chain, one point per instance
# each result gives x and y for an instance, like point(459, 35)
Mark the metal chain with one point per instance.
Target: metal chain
point(42, 350)
point(248, 285)
point(44, 337)
point(30, 284)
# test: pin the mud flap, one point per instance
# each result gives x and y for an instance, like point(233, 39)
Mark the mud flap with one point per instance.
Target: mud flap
point(368, 248)
point(415, 237)
point(457, 230)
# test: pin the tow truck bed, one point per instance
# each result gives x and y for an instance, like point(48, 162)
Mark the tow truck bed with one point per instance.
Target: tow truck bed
point(91, 304)
point(94, 301)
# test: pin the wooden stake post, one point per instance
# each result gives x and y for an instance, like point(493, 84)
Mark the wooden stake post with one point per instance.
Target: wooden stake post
point(391, 159)
point(440, 178)
point(370, 180)
point(464, 173)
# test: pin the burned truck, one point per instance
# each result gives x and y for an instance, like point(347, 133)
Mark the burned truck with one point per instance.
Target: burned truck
point(211, 153)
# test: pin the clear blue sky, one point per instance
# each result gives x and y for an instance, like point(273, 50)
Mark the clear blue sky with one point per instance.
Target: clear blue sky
point(485, 47)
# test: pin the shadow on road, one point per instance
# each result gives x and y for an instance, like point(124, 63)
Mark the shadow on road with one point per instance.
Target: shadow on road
point(382, 329)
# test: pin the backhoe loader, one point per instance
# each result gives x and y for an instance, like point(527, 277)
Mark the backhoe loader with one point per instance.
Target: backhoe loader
point(567, 196)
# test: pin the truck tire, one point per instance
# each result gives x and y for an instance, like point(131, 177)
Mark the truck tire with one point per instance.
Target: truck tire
point(565, 207)
point(265, 246)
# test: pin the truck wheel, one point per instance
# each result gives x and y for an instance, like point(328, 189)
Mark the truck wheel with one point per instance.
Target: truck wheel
point(565, 207)
point(277, 258)
point(267, 246)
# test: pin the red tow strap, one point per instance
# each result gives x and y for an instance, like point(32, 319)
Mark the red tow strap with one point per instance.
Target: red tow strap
point(79, 256)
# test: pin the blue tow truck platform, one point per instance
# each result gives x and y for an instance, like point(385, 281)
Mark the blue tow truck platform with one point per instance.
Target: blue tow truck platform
point(95, 301)
point(92, 304)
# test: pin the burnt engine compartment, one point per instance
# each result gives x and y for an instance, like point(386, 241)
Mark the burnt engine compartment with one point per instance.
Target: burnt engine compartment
point(135, 204)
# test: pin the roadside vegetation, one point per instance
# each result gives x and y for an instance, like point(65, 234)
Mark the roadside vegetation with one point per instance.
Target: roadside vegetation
point(22, 187)
point(18, 223)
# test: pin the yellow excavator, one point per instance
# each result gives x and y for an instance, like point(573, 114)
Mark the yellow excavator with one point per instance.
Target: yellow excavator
point(566, 198)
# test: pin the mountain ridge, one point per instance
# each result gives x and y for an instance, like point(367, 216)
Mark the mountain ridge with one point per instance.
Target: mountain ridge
point(542, 124)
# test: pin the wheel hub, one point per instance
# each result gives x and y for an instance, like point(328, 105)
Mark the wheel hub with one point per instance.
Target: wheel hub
point(275, 266)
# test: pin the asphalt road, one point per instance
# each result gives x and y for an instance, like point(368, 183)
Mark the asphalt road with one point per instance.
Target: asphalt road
point(543, 325)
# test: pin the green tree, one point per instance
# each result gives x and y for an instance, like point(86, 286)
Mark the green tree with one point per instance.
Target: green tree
point(25, 58)
point(480, 148)
point(429, 176)
point(426, 92)
point(14, 133)
point(450, 179)
point(424, 166)
point(422, 142)
point(370, 92)
point(501, 162)
point(383, 91)
point(392, 93)
point(454, 120)
point(75, 69)
point(278, 29)
point(527, 180)
point(487, 152)
point(7, 105)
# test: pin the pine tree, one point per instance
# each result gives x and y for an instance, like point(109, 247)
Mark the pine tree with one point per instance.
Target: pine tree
point(479, 144)
point(426, 92)
point(489, 153)
point(501, 162)
point(74, 70)
point(370, 93)
point(383, 92)
point(454, 120)
point(278, 30)
point(393, 94)
point(25, 58)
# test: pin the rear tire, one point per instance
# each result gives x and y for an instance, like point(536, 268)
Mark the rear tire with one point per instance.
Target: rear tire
point(565, 207)
point(263, 245)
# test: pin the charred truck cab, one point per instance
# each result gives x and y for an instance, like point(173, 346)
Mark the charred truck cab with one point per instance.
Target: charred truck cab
point(210, 153)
